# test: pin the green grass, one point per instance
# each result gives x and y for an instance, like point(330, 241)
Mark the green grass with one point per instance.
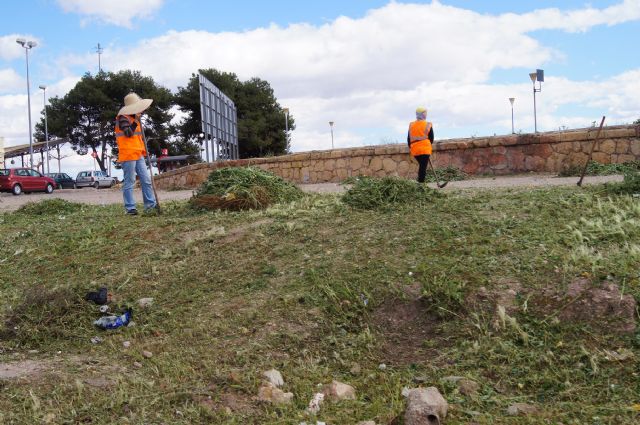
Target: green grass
point(304, 287)
point(597, 169)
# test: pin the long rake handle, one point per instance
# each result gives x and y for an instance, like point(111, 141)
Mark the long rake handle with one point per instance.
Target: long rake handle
point(593, 146)
point(153, 185)
point(436, 176)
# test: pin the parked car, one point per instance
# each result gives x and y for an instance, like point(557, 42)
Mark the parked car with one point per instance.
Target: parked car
point(18, 180)
point(94, 178)
point(63, 180)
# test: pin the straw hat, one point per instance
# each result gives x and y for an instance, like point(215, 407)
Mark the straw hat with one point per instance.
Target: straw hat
point(133, 104)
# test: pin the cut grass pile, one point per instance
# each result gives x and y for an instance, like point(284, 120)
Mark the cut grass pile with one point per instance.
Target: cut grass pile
point(319, 290)
point(243, 188)
point(370, 193)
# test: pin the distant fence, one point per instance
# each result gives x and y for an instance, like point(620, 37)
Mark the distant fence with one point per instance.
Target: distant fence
point(497, 155)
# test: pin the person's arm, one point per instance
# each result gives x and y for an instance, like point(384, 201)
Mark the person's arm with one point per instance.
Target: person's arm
point(126, 127)
point(431, 134)
point(409, 138)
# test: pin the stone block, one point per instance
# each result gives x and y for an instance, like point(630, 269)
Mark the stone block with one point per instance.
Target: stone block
point(634, 147)
point(622, 158)
point(622, 146)
point(497, 159)
point(607, 146)
point(563, 148)
point(341, 173)
point(601, 157)
point(327, 176)
point(534, 163)
point(318, 165)
point(341, 163)
point(375, 164)
point(404, 166)
point(389, 165)
point(356, 162)
point(499, 150)
point(329, 165)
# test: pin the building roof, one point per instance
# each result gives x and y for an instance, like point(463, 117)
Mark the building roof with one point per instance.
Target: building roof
point(13, 151)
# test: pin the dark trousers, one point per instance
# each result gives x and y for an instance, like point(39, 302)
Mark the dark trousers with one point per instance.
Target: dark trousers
point(423, 161)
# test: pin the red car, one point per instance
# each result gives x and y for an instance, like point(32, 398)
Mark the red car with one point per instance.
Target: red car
point(18, 180)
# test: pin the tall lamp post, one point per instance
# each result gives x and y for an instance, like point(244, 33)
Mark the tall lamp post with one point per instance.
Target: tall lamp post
point(28, 45)
point(512, 99)
point(46, 128)
point(286, 119)
point(536, 76)
point(331, 125)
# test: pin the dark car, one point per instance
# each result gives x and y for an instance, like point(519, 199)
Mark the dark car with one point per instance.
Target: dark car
point(63, 180)
point(18, 180)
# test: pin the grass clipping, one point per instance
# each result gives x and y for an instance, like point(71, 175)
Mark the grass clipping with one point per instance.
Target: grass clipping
point(369, 193)
point(243, 188)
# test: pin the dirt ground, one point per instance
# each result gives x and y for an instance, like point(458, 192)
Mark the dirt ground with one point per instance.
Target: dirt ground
point(9, 202)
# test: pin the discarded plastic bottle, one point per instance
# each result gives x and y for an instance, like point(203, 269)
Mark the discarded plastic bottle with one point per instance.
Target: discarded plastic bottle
point(113, 322)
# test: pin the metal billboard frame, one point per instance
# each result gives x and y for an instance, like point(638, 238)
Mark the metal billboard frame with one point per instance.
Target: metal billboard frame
point(219, 122)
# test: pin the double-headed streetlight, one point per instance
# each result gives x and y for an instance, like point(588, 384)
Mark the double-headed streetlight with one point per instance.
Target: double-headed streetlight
point(46, 128)
point(536, 76)
point(331, 125)
point(512, 99)
point(286, 119)
point(28, 45)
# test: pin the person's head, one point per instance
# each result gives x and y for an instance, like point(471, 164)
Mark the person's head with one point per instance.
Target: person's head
point(421, 113)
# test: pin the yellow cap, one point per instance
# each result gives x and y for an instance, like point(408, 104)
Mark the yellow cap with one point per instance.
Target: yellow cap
point(421, 110)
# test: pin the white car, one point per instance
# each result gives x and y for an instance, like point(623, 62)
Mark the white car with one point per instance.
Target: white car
point(94, 178)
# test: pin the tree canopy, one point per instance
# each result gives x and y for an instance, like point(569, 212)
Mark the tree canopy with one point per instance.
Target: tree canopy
point(86, 114)
point(261, 120)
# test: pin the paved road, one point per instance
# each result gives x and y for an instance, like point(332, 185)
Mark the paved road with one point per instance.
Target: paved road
point(9, 202)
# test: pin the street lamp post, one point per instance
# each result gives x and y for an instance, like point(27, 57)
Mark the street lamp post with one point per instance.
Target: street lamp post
point(46, 128)
point(28, 45)
point(512, 99)
point(536, 76)
point(331, 125)
point(286, 119)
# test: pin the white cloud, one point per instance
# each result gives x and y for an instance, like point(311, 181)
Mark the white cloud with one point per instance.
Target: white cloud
point(10, 50)
point(10, 81)
point(114, 12)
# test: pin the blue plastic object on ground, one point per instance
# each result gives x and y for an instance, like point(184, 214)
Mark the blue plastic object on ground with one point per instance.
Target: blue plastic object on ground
point(113, 322)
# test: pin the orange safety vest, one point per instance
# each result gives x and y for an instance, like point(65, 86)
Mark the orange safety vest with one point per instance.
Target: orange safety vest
point(419, 138)
point(130, 148)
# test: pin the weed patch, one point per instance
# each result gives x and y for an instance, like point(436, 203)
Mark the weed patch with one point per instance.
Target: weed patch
point(370, 193)
point(50, 207)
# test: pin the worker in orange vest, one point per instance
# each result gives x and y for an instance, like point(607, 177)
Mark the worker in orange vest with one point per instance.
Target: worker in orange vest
point(131, 153)
point(419, 139)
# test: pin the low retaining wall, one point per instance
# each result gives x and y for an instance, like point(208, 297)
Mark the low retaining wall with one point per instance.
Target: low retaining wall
point(497, 155)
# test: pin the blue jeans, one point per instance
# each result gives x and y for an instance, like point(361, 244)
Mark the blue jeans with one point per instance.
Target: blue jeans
point(130, 169)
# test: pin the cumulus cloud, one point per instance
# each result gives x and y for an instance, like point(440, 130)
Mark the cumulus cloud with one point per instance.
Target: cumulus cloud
point(10, 50)
point(10, 81)
point(114, 12)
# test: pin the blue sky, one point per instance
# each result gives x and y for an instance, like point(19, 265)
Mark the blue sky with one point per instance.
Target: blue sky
point(365, 64)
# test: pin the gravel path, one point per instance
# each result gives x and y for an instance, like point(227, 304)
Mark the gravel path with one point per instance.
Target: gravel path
point(9, 202)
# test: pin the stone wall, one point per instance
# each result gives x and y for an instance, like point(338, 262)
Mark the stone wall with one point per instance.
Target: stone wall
point(543, 152)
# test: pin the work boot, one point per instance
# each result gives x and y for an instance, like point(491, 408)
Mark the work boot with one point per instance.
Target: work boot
point(132, 212)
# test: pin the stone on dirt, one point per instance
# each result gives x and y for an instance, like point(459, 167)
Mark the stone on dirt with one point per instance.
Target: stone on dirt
point(274, 395)
point(465, 386)
point(274, 377)
point(425, 406)
point(517, 409)
point(145, 302)
point(338, 391)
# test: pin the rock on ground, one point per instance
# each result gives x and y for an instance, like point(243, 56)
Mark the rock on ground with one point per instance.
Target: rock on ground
point(274, 377)
point(465, 386)
point(521, 409)
point(274, 395)
point(425, 406)
point(338, 391)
